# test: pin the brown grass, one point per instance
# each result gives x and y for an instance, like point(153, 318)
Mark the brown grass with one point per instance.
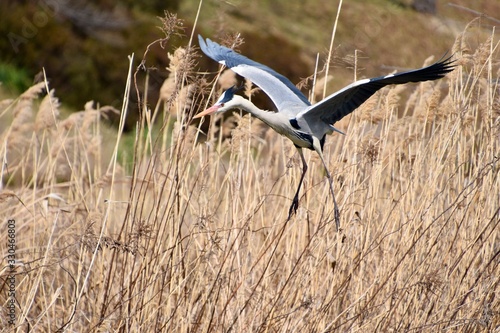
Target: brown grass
point(195, 239)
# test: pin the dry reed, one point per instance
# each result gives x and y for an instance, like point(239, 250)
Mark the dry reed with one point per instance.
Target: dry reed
point(195, 240)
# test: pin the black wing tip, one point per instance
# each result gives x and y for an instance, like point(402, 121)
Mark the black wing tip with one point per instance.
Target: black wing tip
point(446, 64)
point(437, 70)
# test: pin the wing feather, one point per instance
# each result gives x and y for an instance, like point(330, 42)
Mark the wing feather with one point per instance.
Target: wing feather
point(338, 105)
point(284, 94)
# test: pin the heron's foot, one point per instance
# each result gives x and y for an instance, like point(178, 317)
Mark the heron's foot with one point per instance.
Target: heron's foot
point(293, 207)
point(337, 217)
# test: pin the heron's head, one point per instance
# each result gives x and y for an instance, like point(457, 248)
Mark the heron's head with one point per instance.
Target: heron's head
point(227, 101)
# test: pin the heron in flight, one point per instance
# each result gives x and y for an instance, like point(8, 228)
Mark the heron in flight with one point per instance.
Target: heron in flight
point(305, 124)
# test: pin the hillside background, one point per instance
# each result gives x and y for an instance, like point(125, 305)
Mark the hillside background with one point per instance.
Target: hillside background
point(84, 46)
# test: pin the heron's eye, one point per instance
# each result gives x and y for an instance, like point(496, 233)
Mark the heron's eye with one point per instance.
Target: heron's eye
point(222, 105)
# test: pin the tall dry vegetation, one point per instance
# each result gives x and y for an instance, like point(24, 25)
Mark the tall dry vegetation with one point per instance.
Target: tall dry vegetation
point(195, 238)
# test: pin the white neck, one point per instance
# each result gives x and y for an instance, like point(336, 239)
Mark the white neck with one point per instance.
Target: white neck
point(268, 117)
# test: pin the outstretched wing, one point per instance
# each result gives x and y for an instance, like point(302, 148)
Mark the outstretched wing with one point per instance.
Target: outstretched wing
point(338, 105)
point(282, 92)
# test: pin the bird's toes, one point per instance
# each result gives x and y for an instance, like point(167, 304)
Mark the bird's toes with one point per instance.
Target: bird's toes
point(337, 218)
point(293, 207)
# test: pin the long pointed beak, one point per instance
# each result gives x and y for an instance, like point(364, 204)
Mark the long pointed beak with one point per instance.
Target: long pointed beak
point(208, 111)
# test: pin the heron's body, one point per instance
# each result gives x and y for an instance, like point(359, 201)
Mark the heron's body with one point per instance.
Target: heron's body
point(304, 124)
point(301, 136)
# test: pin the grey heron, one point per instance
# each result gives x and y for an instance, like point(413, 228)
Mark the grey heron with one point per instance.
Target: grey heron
point(305, 124)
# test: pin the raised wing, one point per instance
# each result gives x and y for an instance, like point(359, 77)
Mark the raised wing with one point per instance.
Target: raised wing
point(284, 94)
point(338, 105)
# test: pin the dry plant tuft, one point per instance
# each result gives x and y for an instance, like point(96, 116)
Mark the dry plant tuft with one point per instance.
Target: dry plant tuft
point(227, 79)
point(48, 112)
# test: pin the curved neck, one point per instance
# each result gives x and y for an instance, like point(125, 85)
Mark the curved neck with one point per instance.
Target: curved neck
point(246, 105)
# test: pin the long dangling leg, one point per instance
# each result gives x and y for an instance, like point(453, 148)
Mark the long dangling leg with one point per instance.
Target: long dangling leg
point(335, 206)
point(295, 202)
